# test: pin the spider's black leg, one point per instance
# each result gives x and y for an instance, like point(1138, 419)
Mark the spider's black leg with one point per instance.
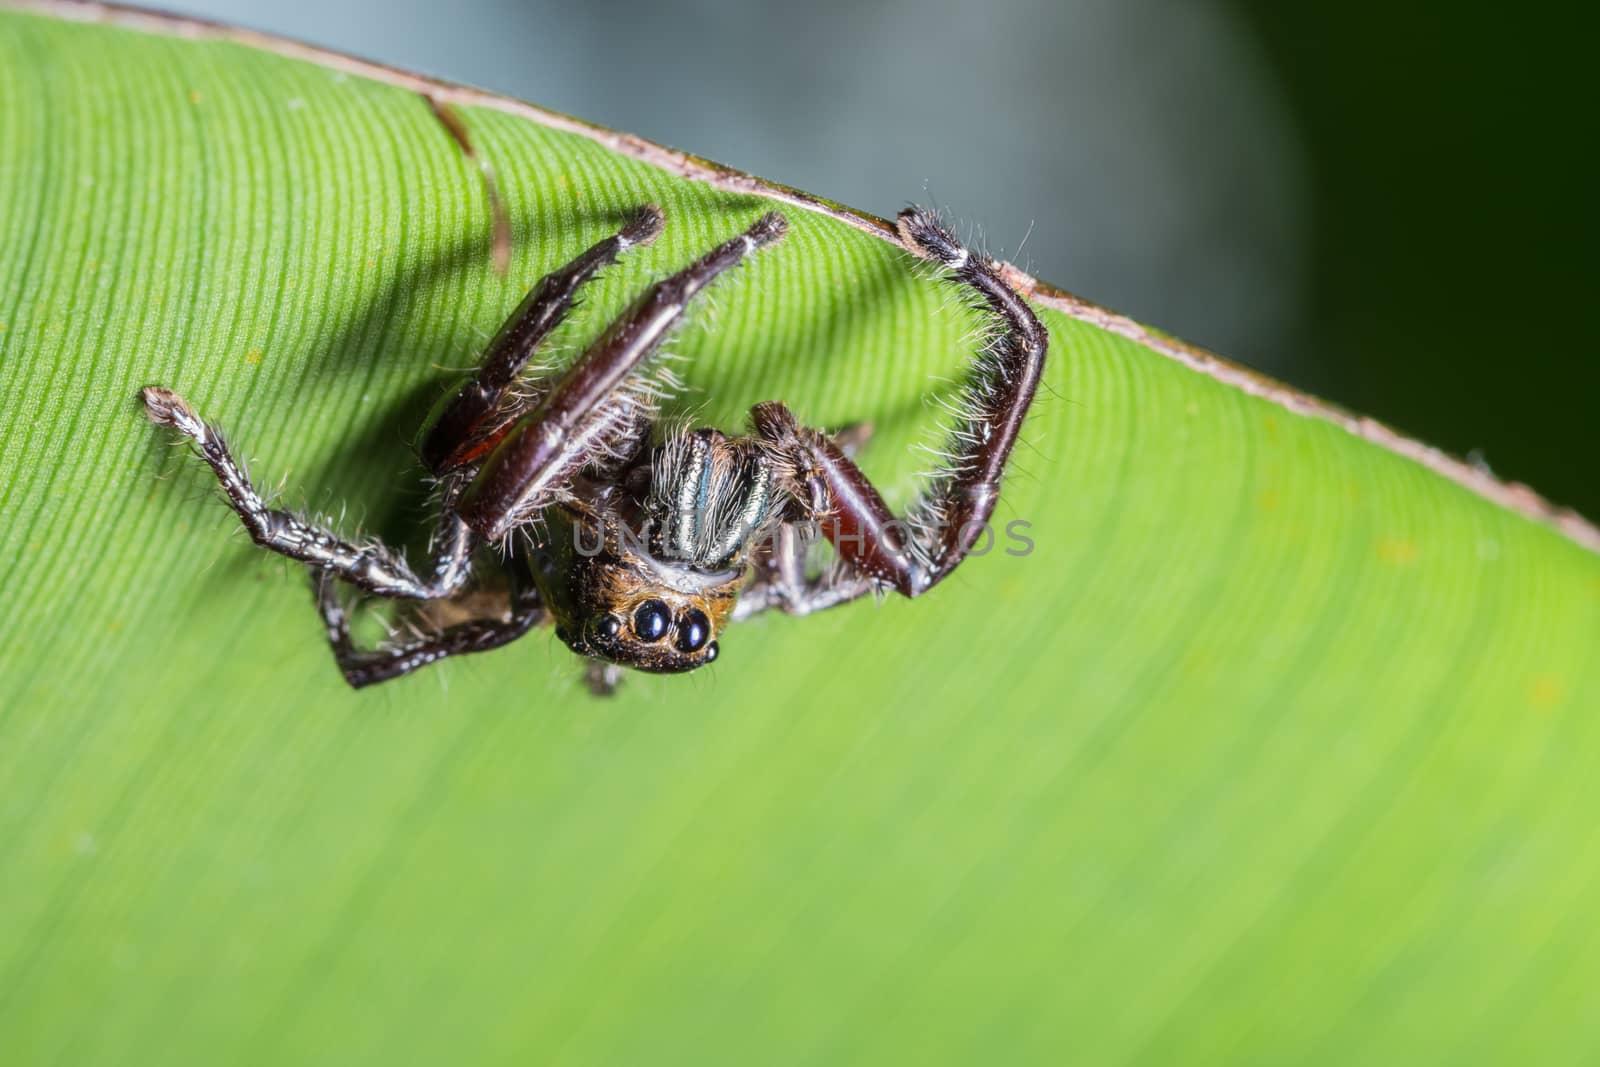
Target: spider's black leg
point(460, 427)
point(368, 667)
point(585, 412)
point(913, 555)
point(373, 566)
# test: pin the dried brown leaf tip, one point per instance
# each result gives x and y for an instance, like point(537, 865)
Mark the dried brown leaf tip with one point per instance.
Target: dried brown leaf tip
point(456, 127)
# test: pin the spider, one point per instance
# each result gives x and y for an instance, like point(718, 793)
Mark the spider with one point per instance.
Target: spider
point(637, 542)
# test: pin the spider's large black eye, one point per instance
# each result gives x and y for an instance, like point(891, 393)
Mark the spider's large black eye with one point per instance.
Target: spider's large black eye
point(694, 630)
point(651, 619)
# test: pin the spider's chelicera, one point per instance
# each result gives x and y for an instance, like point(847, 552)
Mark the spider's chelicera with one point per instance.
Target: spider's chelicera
point(639, 544)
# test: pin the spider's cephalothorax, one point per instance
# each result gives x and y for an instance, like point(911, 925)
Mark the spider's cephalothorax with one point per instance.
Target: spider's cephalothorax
point(639, 544)
point(646, 572)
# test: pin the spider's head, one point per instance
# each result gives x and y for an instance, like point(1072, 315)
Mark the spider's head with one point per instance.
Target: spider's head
point(636, 611)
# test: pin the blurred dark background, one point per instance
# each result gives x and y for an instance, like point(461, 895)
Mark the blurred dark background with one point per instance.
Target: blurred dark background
point(1388, 206)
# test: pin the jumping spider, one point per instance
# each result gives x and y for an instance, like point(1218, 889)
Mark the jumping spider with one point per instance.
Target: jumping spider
point(537, 465)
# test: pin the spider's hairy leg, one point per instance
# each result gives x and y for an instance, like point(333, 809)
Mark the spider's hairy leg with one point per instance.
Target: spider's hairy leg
point(914, 554)
point(460, 431)
point(371, 566)
point(364, 667)
point(993, 403)
point(579, 419)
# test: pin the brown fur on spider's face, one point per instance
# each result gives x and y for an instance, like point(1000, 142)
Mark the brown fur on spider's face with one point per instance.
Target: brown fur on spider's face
point(633, 610)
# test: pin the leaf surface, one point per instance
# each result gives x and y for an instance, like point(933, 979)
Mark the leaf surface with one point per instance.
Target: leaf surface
point(1279, 745)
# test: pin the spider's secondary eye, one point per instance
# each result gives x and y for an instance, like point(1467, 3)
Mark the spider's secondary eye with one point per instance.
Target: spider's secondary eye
point(711, 652)
point(651, 619)
point(694, 630)
point(610, 626)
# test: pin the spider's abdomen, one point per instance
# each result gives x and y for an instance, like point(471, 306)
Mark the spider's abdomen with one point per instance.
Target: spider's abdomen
point(710, 497)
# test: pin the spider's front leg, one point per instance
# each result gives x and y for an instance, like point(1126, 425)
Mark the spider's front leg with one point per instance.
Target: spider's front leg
point(477, 416)
point(584, 415)
point(911, 555)
point(472, 414)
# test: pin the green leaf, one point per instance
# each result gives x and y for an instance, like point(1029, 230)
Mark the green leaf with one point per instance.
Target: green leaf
point(1279, 746)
